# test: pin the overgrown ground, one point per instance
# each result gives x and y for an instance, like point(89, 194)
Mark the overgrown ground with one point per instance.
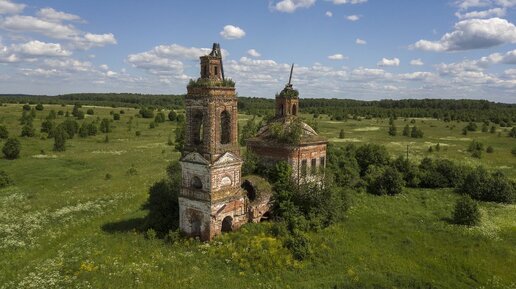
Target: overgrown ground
point(63, 225)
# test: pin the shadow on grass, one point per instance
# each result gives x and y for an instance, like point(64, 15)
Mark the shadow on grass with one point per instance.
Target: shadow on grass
point(124, 226)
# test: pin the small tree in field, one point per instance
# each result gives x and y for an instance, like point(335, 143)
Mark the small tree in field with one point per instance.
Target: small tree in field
point(406, 130)
point(341, 133)
point(3, 132)
point(105, 125)
point(466, 212)
point(11, 149)
point(392, 130)
point(60, 137)
point(172, 115)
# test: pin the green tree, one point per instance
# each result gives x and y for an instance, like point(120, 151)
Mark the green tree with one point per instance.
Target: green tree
point(392, 130)
point(60, 136)
point(70, 126)
point(416, 132)
point(466, 212)
point(512, 133)
point(493, 129)
point(406, 130)
point(5, 180)
point(116, 116)
point(172, 115)
point(90, 111)
point(388, 182)
point(26, 107)
point(47, 126)
point(160, 117)
point(27, 131)
point(11, 149)
point(180, 136)
point(39, 106)
point(163, 204)
point(371, 154)
point(341, 133)
point(105, 125)
point(4, 133)
point(248, 131)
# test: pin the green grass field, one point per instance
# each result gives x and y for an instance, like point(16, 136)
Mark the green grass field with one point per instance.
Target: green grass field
point(64, 225)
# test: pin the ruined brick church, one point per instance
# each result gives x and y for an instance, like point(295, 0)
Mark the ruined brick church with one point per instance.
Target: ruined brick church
point(212, 199)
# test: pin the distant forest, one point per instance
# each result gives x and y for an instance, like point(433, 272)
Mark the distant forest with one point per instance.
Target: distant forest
point(338, 109)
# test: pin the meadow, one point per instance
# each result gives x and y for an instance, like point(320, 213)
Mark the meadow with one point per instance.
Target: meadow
point(66, 224)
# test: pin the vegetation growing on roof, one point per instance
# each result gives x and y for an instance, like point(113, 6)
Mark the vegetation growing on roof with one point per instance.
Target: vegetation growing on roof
point(201, 82)
point(289, 93)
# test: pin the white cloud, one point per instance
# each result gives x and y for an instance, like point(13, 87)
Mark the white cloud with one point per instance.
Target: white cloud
point(416, 62)
point(419, 75)
point(337, 56)
point(338, 2)
point(232, 32)
point(104, 67)
point(38, 48)
point(360, 41)
point(328, 14)
point(100, 39)
point(472, 34)
point(70, 65)
point(8, 7)
point(290, 6)
point(19, 23)
point(467, 4)
point(495, 12)
point(56, 16)
point(389, 62)
point(353, 17)
point(253, 53)
point(167, 59)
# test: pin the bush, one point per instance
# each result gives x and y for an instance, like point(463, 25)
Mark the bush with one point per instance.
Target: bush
point(116, 116)
point(11, 149)
point(408, 170)
point(4, 133)
point(513, 151)
point(371, 154)
point(472, 126)
point(440, 173)
point(70, 126)
point(392, 130)
point(146, 113)
point(406, 130)
point(163, 204)
point(490, 150)
point(26, 107)
point(341, 133)
point(160, 117)
point(481, 185)
point(512, 133)
point(28, 131)
point(60, 136)
point(299, 245)
point(105, 125)
point(90, 111)
point(172, 115)
point(389, 182)
point(466, 212)
point(416, 132)
point(5, 180)
point(39, 106)
point(138, 133)
point(47, 126)
point(152, 125)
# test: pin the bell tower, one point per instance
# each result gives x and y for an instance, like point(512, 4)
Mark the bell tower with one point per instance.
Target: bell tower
point(287, 101)
point(211, 199)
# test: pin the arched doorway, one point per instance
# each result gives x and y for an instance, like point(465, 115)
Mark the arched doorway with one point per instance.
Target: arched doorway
point(227, 224)
point(294, 109)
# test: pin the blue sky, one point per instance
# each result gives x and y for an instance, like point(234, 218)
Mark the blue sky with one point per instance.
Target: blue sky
point(360, 49)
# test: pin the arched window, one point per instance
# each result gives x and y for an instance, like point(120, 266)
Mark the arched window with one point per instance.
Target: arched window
point(197, 127)
point(281, 110)
point(196, 183)
point(205, 68)
point(227, 224)
point(294, 109)
point(225, 127)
